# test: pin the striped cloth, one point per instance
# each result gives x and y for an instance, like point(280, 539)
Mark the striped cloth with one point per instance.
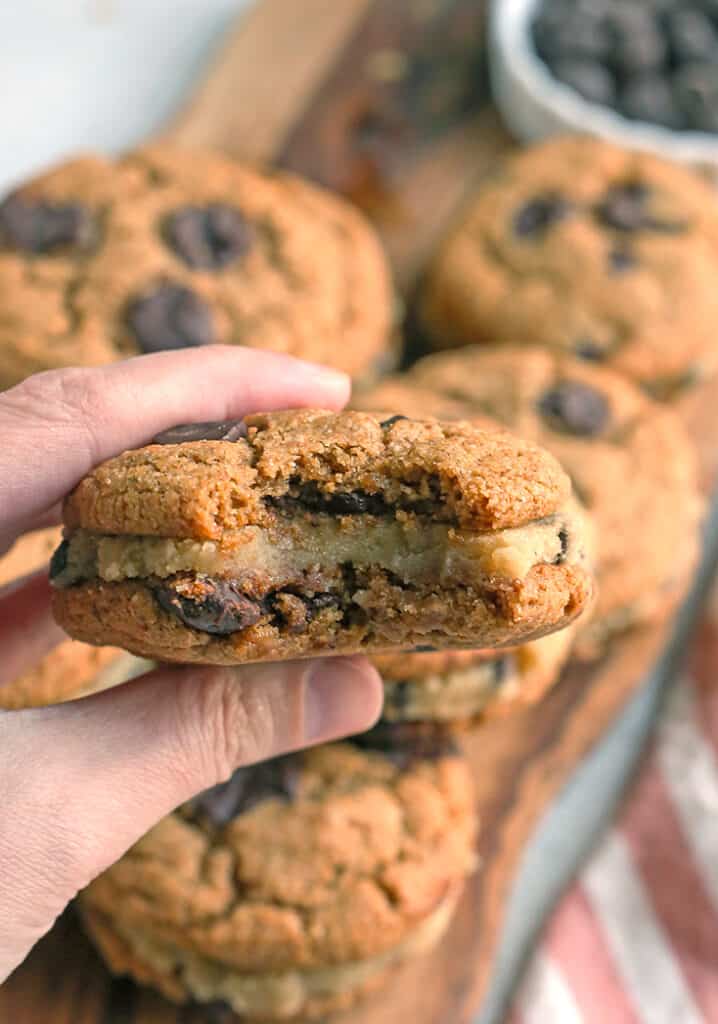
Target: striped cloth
point(635, 939)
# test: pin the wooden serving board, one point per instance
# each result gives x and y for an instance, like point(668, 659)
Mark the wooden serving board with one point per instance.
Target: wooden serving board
point(387, 102)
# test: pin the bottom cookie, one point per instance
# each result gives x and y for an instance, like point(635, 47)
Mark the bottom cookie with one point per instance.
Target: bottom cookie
point(299, 886)
point(461, 686)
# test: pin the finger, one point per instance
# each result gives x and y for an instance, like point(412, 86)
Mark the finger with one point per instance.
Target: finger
point(58, 425)
point(98, 773)
point(28, 631)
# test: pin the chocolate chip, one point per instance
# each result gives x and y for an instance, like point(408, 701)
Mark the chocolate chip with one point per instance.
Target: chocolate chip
point(621, 259)
point(40, 226)
point(535, 218)
point(340, 503)
point(392, 420)
point(588, 78)
point(502, 667)
point(624, 206)
point(209, 237)
point(405, 743)
point(651, 98)
point(691, 35)
point(570, 30)
point(574, 408)
point(225, 430)
point(425, 649)
point(637, 44)
point(170, 317)
point(210, 605)
point(320, 602)
point(564, 541)
point(696, 88)
point(245, 789)
point(589, 351)
point(58, 562)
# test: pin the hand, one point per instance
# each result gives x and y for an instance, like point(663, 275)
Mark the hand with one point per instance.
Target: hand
point(81, 782)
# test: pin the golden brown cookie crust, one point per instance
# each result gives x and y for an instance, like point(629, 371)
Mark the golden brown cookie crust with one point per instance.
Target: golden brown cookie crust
point(486, 480)
point(565, 275)
point(363, 852)
point(313, 281)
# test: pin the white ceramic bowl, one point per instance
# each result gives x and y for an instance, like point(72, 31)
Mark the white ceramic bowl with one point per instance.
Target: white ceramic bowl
point(536, 105)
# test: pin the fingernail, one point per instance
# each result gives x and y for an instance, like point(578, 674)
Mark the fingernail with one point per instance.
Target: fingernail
point(342, 696)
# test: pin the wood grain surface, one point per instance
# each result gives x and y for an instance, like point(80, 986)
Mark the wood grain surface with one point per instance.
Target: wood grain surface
point(386, 102)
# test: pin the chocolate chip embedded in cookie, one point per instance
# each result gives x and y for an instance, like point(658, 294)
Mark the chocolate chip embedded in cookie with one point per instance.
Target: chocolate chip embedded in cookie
point(590, 250)
point(630, 460)
point(320, 533)
point(167, 248)
point(169, 316)
point(370, 846)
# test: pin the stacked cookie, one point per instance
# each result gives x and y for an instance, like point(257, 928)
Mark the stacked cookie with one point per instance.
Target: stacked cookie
point(298, 886)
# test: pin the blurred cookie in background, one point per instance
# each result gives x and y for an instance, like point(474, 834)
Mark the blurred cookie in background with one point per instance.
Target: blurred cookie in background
point(590, 250)
point(170, 248)
point(298, 886)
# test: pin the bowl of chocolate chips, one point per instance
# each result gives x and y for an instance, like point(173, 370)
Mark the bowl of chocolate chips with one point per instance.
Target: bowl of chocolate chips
point(642, 73)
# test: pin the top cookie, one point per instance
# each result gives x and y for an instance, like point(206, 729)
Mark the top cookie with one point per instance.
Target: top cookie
point(630, 460)
point(308, 532)
point(592, 250)
point(170, 248)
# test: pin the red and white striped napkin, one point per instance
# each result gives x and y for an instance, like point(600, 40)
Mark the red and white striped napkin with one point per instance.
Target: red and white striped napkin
point(635, 938)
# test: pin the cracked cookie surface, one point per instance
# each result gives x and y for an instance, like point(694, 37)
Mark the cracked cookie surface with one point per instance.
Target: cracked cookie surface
point(296, 886)
point(597, 252)
point(168, 248)
point(321, 532)
point(632, 464)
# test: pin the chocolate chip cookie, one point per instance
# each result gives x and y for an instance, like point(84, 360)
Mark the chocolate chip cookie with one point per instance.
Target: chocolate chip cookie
point(170, 248)
point(299, 885)
point(70, 669)
point(590, 250)
point(631, 463)
point(307, 532)
point(463, 686)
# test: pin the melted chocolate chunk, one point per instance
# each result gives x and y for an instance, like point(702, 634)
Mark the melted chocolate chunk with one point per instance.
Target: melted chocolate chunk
point(170, 317)
point(58, 562)
point(564, 539)
point(40, 226)
point(245, 789)
point(624, 206)
point(535, 218)
point(309, 498)
point(209, 237)
point(574, 408)
point(392, 420)
point(225, 430)
point(405, 743)
point(213, 606)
